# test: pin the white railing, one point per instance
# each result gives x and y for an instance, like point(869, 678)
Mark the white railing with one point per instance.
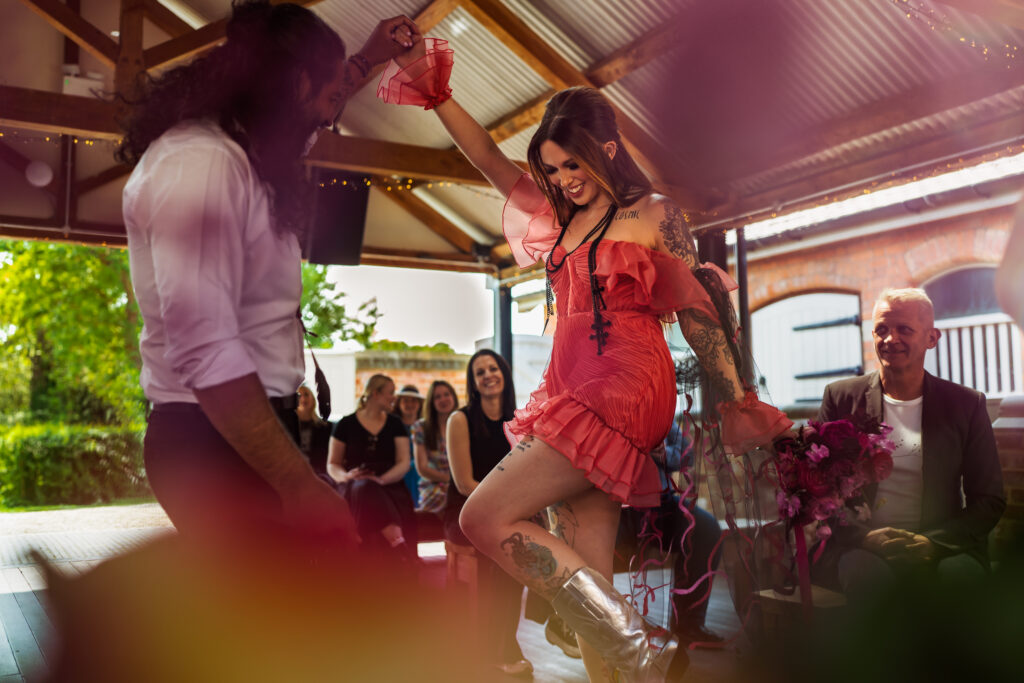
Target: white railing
point(982, 352)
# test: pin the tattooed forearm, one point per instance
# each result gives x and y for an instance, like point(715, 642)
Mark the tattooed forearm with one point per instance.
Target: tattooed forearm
point(706, 337)
point(677, 236)
point(535, 564)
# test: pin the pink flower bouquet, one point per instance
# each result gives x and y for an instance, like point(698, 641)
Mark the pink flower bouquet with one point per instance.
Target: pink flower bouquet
point(822, 472)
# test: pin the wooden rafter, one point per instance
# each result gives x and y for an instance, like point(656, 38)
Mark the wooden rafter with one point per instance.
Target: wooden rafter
point(1006, 12)
point(919, 103)
point(55, 113)
point(520, 119)
point(102, 178)
point(166, 20)
point(629, 58)
point(129, 57)
point(426, 214)
point(409, 258)
point(199, 40)
point(71, 24)
point(810, 188)
point(377, 157)
point(19, 162)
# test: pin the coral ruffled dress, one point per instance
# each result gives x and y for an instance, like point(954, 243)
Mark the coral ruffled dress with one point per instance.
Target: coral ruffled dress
point(606, 412)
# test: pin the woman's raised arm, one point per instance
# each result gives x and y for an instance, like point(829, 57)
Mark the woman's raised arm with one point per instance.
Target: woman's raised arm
point(478, 146)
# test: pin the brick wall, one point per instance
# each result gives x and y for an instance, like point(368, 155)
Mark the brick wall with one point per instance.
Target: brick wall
point(866, 265)
point(418, 368)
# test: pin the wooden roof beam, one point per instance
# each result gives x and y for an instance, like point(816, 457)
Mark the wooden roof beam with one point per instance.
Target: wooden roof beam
point(413, 258)
point(102, 178)
point(75, 28)
point(520, 119)
point(425, 214)
point(19, 162)
point(166, 20)
point(55, 113)
point(377, 157)
point(1006, 12)
point(629, 58)
point(194, 42)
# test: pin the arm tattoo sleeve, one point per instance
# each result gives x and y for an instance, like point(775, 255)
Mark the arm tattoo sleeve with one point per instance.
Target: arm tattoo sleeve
point(705, 336)
point(677, 236)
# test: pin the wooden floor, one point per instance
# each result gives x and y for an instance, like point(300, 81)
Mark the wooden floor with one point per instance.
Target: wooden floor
point(27, 636)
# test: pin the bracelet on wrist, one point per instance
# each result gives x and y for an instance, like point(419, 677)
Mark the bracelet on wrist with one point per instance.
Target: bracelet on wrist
point(361, 63)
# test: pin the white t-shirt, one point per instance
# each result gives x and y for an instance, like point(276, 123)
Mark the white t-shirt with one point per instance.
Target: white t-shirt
point(218, 289)
point(898, 502)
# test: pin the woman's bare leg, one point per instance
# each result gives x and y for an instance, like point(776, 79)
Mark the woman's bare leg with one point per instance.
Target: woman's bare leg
point(530, 478)
point(588, 523)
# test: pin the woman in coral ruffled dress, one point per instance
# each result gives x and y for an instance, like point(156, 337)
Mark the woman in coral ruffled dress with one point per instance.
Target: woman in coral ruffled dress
point(620, 260)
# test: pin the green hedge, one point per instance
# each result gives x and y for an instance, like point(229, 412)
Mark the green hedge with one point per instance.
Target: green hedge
point(52, 464)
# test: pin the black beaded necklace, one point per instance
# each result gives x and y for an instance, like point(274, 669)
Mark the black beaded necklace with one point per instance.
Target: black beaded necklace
point(596, 291)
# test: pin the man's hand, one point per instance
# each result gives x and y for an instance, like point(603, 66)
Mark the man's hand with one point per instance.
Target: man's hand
point(389, 39)
point(899, 544)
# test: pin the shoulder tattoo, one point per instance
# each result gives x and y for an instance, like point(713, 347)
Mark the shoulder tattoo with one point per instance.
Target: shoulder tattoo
point(677, 236)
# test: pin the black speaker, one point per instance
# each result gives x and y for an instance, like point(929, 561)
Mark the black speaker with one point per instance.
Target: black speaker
point(336, 232)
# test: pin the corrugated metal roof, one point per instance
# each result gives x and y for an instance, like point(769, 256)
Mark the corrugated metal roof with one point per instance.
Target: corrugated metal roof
point(824, 60)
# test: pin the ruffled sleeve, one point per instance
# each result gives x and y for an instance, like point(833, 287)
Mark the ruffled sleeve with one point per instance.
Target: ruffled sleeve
point(750, 423)
point(528, 222)
point(662, 284)
point(424, 82)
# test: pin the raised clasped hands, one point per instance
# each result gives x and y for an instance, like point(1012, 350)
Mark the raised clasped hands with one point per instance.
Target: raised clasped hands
point(900, 544)
point(391, 38)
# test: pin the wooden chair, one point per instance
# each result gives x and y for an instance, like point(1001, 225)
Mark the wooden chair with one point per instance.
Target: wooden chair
point(462, 568)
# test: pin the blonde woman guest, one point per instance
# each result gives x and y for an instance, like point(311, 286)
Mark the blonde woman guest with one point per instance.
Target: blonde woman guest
point(368, 456)
point(431, 452)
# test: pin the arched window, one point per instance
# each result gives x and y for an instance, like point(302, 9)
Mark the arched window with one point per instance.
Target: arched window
point(800, 344)
point(980, 346)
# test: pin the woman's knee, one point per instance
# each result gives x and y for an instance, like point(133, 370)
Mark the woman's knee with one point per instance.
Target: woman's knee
point(474, 522)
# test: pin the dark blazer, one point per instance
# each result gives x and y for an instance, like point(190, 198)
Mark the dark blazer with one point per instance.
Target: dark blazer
point(958, 446)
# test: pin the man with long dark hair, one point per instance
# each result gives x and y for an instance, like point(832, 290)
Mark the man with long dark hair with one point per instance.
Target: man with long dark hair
point(214, 210)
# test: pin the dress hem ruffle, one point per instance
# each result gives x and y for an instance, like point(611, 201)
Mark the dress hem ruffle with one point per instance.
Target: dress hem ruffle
point(577, 432)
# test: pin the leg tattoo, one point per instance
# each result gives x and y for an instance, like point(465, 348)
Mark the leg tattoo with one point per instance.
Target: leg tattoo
point(535, 563)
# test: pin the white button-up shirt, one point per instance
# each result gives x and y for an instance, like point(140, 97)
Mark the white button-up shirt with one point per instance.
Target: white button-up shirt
point(217, 287)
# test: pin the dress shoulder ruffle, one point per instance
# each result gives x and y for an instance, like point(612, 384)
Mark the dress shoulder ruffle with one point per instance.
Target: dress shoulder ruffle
point(661, 284)
point(528, 222)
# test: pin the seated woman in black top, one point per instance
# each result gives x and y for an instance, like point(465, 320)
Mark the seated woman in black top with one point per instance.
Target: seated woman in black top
point(368, 456)
point(476, 444)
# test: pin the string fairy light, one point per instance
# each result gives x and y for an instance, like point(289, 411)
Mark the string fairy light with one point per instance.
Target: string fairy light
point(941, 23)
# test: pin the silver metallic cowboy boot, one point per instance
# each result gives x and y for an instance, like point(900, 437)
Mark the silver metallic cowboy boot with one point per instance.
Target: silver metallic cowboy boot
point(604, 618)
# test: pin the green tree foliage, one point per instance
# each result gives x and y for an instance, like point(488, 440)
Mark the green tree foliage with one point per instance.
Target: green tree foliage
point(325, 316)
point(70, 329)
point(390, 345)
point(70, 325)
